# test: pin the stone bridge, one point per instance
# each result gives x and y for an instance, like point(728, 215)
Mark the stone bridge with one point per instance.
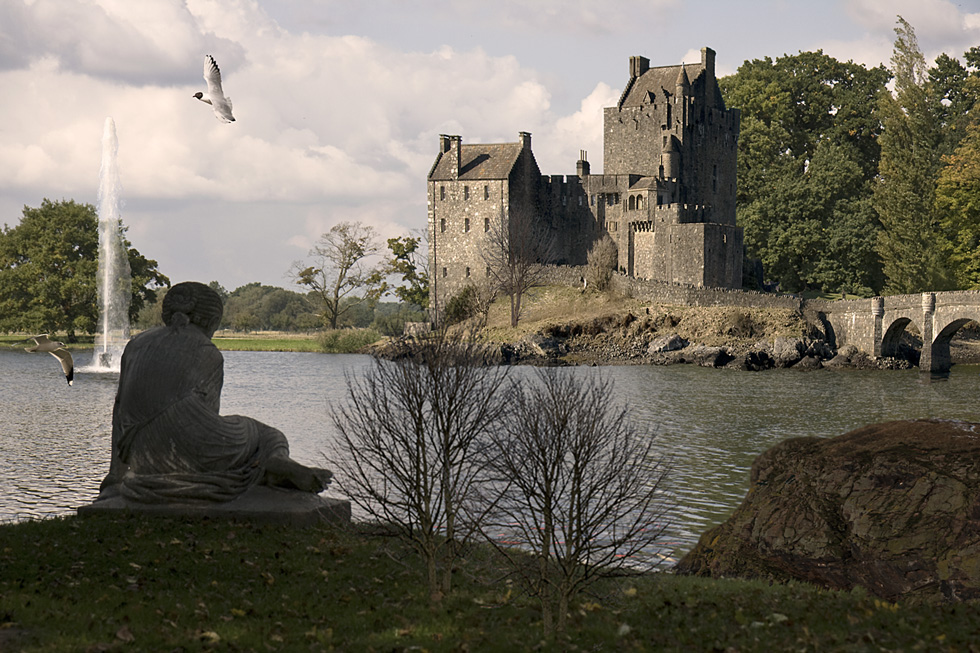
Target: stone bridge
point(876, 325)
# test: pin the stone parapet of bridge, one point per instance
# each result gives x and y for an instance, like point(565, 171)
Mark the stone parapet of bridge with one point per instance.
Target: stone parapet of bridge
point(876, 325)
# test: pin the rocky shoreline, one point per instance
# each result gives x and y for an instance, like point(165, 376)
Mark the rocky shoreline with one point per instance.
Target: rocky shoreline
point(717, 337)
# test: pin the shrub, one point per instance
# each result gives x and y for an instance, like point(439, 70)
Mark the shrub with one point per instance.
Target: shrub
point(602, 260)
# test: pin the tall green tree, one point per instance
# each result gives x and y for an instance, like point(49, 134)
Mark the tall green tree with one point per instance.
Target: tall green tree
point(408, 262)
point(911, 242)
point(958, 206)
point(48, 266)
point(341, 276)
point(808, 154)
point(953, 93)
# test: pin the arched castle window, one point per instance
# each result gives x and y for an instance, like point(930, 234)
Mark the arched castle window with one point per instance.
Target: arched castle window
point(632, 203)
point(639, 202)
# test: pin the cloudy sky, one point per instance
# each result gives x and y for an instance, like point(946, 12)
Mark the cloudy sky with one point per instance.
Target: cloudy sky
point(339, 103)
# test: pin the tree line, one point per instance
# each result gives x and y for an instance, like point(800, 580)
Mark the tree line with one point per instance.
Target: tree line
point(845, 186)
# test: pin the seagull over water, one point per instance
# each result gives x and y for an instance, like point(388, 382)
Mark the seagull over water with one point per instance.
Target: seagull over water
point(216, 97)
point(56, 349)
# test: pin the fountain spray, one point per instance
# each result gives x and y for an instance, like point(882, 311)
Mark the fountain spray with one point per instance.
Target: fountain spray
point(114, 282)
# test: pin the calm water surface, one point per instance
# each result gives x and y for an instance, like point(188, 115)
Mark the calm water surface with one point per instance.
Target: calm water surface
point(54, 440)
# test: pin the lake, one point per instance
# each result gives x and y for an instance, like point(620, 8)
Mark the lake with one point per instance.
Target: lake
point(55, 439)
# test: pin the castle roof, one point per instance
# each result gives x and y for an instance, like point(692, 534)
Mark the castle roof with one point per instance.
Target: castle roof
point(656, 83)
point(478, 161)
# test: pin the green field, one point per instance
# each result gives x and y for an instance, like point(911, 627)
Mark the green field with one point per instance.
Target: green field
point(136, 584)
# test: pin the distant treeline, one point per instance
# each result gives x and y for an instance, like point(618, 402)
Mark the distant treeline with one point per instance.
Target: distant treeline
point(256, 307)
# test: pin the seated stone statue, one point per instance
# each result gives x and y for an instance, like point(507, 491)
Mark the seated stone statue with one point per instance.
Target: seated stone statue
point(169, 442)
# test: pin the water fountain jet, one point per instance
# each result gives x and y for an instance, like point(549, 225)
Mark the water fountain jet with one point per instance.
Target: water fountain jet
point(114, 279)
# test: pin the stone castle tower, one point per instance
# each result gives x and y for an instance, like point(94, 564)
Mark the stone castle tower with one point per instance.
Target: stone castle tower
point(666, 195)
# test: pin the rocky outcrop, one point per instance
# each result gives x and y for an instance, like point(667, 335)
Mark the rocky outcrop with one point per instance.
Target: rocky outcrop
point(892, 507)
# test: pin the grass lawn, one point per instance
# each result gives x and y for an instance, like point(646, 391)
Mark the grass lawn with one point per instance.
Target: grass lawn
point(135, 584)
point(339, 341)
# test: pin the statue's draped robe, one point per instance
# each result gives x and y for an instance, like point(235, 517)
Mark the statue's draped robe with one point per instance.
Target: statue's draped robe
point(169, 442)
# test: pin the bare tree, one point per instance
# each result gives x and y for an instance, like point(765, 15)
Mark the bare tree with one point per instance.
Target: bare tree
point(602, 260)
point(410, 448)
point(515, 251)
point(340, 269)
point(575, 482)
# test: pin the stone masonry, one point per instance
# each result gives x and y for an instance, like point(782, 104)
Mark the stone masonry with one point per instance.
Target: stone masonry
point(666, 197)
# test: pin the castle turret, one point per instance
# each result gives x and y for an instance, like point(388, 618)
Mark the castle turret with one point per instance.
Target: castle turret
point(671, 162)
point(683, 85)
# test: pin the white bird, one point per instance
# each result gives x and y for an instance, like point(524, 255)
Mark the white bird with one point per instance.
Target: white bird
point(56, 349)
point(216, 97)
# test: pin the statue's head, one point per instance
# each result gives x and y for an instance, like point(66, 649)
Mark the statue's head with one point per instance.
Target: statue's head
point(191, 302)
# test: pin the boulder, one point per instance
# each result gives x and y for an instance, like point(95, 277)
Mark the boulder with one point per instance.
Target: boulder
point(892, 507)
point(787, 351)
point(708, 356)
point(672, 342)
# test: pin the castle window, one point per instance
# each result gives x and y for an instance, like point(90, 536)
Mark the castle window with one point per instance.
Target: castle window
point(488, 270)
point(466, 227)
point(442, 192)
point(486, 224)
point(639, 202)
point(442, 225)
point(486, 192)
point(592, 199)
point(467, 272)
point(632, 203)
point(445, 273)
point(580, 200)
point(714, 179)
point(466, 194)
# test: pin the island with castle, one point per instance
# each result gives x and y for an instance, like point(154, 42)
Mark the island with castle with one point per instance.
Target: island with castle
point(666, 196)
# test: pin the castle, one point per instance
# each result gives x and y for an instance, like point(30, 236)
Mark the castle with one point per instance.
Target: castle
point(666, 195)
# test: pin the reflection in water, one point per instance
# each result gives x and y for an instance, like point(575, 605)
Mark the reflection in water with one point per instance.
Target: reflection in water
point(711, 424)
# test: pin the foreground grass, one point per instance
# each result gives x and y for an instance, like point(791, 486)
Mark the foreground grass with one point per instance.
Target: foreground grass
point(107, 584)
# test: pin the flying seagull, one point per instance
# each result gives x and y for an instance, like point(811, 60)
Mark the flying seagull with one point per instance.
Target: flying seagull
point(216, 97)
point(56, 349)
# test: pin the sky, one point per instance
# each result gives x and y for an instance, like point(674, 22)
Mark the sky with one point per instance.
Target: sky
point(340, 103)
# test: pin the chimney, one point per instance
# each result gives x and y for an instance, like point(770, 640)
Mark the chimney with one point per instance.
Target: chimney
point(582, 166)
point(453, 148)
point(525, 140)
point(638, 66)
point(708, 61)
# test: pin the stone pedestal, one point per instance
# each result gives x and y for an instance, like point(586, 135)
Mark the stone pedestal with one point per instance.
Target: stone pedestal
point(259, 504)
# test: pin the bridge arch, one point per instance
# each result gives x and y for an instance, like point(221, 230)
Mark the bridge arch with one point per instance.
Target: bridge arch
point(892, 337)
point(939, 354)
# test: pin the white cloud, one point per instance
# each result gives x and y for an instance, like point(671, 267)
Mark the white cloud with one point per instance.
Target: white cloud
point(332, 124)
